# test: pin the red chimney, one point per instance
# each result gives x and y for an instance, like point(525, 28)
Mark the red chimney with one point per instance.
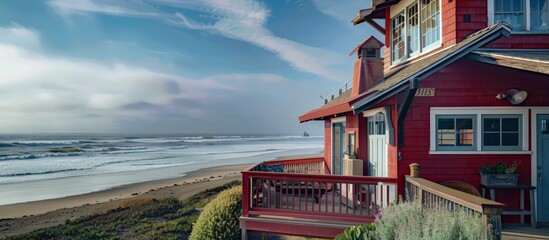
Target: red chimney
point(368, 66)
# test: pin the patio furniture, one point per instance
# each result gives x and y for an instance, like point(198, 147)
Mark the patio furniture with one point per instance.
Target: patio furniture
point(462, 186)
point(522, 211)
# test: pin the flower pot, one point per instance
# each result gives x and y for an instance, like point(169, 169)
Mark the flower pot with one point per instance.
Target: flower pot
point(499, 179)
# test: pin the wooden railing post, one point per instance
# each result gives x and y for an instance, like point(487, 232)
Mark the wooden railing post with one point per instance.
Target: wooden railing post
point(491, 218)
point(245, 203)
point(414, 169)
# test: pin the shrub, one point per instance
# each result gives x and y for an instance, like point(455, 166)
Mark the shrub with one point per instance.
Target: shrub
point(219, 220)
point(407, 220)
point(361, 232)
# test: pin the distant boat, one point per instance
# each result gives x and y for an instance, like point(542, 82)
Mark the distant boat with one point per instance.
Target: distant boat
point(305, 134)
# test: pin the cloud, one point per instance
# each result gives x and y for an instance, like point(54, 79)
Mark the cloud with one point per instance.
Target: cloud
point(40, 92)
point(343, 12)
point(243, 20)
point(16, 34)
point(125, 8)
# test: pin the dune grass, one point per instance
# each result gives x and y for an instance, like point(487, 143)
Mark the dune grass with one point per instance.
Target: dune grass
point(138, 218)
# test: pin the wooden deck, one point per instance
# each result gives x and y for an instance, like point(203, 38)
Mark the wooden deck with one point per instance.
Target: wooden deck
point(306, 201)
point(525, 232)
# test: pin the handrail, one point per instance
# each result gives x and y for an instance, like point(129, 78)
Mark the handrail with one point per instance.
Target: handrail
point(431, 194)
point(467, 200)
point(346, 86)
point(302, 195)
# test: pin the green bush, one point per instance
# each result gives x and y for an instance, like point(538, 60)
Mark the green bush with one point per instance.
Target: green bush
point(407, 220)
point(361, 232)
point(219, 220)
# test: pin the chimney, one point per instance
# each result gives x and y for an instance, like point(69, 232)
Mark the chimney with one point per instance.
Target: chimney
point(368, 66)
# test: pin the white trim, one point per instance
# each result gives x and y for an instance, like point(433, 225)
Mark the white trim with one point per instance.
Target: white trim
point(373, 112)
point(338, 119)
point(527, 20)
point(479, 111)
point(332, 121)
point(479, 152)
point(402, 5)
point(490, 12)
point(534, 161)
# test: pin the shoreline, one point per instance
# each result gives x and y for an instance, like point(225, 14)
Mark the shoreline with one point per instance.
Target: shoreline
point(19, 218)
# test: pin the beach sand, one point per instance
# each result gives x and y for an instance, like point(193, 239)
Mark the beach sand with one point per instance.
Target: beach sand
point(25, 217)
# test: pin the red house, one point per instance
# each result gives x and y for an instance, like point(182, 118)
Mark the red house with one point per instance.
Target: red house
point(461, 84)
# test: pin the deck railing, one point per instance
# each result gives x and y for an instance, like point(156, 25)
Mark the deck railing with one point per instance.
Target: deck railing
point(346, 86)
point(304, 192)
point(434, 195)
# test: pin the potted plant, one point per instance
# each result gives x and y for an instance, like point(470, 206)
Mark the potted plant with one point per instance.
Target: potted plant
point(499, 174)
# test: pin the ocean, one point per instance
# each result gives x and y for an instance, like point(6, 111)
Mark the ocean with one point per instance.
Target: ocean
point(38, 167)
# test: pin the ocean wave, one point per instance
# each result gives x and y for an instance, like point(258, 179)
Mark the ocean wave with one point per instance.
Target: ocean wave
point(34, 156)
point(5, 145)
point(45, 142)
point(42, 172)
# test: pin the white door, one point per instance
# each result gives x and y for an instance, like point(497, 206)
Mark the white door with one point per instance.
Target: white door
point(377, 146)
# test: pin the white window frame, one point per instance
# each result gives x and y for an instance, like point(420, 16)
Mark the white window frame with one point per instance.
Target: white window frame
point(396, 10)
point(456, 147)
point(479, 111)
point(491, 17)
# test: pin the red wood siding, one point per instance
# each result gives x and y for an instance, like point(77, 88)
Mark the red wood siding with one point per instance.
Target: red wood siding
point(328, 143)
point(448, 22)
point(525, 41)
point(461, 84)
point(478, 12)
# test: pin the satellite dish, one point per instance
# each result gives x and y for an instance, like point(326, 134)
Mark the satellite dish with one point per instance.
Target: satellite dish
point(515, 96)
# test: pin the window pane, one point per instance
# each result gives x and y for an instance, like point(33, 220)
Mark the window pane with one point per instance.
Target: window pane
point(511, 12)
point(446, 124)
point(510, 124)
point(430, 22)
point(413, 29)
point(510, 139)
point(491, 124)
point(399, 36)
point(491, 139)
point(464, 128)
point(539, 15)
point(446, 138)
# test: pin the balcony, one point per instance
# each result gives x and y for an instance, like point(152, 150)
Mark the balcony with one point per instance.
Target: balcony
point(345, 88)
point(300, 197)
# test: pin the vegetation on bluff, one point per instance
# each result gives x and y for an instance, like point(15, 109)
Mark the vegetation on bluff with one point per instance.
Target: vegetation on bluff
point(136, 218)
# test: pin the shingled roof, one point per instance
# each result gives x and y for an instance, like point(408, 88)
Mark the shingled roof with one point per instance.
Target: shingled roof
point(401, 78)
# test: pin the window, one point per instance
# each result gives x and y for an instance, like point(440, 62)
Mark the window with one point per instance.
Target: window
point(398, 33)
point(468, 130)
point(455, 132)
point(522, 15)
point(416, 29)
point(430, 22)
point(501, 132)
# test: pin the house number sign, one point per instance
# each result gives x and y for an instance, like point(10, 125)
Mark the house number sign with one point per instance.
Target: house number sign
point(425, 92)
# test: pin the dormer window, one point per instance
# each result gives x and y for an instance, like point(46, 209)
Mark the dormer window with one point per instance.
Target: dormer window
point(522, 15)
point(415, 30)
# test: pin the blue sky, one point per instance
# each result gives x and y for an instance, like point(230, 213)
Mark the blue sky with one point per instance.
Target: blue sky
point(177, 66)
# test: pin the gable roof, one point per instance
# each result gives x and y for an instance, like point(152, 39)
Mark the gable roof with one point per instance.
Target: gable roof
point(371, 42)
point(402, 78)
point(532, 60)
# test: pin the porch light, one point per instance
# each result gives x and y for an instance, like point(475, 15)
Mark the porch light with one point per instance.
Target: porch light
point(513, 95)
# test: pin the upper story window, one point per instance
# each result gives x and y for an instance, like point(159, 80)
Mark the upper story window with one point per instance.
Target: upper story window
point(415, 30)
point(522, 15)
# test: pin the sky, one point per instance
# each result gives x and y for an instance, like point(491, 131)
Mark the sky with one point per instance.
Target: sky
point(172, 66)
